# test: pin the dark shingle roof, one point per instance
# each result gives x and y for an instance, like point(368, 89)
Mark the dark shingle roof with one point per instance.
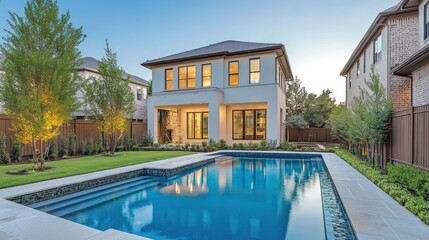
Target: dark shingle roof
point(91, 64)
point(229, 47)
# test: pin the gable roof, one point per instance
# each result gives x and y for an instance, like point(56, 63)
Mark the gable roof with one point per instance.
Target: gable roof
point(225, 48)
point(91, 64)
point(404, 6)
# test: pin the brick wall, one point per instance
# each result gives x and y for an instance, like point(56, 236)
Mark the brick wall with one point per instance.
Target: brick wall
point(404, 37)
point(421, 86)
point(400, 92)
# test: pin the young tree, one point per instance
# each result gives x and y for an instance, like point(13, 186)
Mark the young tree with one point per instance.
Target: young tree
point(149, 88)
point(296, 96)
point(318, 108)
point(340, 122)
point(109, 99)
point(38, 88)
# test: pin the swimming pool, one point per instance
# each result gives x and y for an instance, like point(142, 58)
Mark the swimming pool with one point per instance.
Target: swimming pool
point(237, 197)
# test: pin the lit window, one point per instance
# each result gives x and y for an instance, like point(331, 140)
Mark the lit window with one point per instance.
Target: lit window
point(255, 70)
point(377, 49)
point(187, 77)
point(198, 123)
point(169, 79)
point(139, 93)
point(233, 73)
point(207, 75)
point(249, 124)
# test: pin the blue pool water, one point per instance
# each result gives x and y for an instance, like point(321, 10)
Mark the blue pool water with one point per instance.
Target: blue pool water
point(234, 198)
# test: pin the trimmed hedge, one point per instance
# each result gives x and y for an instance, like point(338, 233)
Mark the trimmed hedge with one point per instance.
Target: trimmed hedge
point(408, 185)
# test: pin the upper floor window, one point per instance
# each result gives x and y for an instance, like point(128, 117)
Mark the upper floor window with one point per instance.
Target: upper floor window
point(377, 49)
point(364, 62)
point(358, 67)
point(187, 77)
point(139, 93)
point(168, 79)
point(426, 21)
point(233, 73)
point(350, 79)
point(255, 70)
point(207, 75)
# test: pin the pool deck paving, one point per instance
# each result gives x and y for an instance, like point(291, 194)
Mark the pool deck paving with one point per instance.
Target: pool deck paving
point(372, 213)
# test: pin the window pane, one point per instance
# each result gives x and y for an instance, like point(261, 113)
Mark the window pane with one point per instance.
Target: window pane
point(198, 125)
point(233, 67)
point(169, 74)
point(233, 80)
point(254, 65)
point(207, 81)
point(249, 125)
point(260, 124)
point(254, 77)
point(206, 125)
point(139, 94)
point(191, 72)
point(191, 82)
point(182, 73)
point(169, 85)
point(182, 83)
point(238, 124)
point(426, 13)
point(191, 121)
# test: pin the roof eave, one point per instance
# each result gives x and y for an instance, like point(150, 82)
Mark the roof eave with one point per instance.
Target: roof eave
point(414, 62)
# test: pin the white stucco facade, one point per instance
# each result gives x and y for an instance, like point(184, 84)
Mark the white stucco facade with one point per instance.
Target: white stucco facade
point(220, 99)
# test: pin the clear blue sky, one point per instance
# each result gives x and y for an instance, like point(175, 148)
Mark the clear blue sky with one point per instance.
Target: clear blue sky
point(319, 35)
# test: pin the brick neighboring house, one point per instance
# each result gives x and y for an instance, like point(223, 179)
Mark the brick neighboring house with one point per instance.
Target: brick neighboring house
point(391, 39)
point(89, 68)
point(416, 67)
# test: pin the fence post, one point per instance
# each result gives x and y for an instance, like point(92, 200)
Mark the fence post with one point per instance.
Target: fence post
point(412, 136)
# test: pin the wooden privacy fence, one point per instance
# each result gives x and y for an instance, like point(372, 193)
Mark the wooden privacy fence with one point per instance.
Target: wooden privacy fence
point(82, 129)
point(410, 137)
point(309, 134)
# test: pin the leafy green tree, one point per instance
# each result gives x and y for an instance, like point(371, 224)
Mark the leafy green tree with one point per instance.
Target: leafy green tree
point(296, 96)
point(318, 108)
point(149, 88)
point(38, 88)
point(296, 121)
point(109, 99)
point(340, 119)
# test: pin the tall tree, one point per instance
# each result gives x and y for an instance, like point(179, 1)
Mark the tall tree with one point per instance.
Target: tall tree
point(38, 88)
point(109, 99)
point(295, 97)
point(318, 108)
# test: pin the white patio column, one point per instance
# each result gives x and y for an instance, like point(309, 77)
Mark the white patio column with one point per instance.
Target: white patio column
point(214, 121)
point(273, 121)
point(152, 120)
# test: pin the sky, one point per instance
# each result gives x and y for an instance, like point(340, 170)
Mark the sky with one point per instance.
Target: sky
point(319, 36)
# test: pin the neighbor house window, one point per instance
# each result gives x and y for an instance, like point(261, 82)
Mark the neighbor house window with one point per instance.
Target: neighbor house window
point(249, 124)
point(207, 75)
point(364, 62)
point(187, 77)
point(358, 67)
point(426, 23)
point(139, 93)
point(198, 125)
point(233, 73)
point(377, 49)
point(255, 70)
point(169, 79)
point(350, 79)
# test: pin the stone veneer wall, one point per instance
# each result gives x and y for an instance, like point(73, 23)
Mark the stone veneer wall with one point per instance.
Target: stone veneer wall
point(421, 86)
point(173, 123)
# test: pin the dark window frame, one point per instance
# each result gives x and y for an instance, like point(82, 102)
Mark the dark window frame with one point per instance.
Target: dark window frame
point(425, 22)
point(377, 56)
point(238, 72)
point(364, 61)
point(243, 111)
point(202, 74)
point(202, 125)
point(165, 79)
point(357, 68)
point(139, 94)
point(250, 70)
point(187, 77)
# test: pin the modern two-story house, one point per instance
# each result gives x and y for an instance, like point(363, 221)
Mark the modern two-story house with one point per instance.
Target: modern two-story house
point(230, 90)
point(391, 39)
point(416, 67)
point(89, 68)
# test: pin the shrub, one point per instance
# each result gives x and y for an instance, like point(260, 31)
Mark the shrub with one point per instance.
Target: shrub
point(288, 146)
point(98, 147)
point(72, 149)
point(222, 144)
point(53, 149)
point(147, 139)
point(129, 143)
point(64, 148)
point(4, 155)
point(204, 143)
point(86, 148)
point(16, 153)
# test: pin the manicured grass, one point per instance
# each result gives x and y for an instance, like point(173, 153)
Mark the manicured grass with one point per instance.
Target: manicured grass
point(75, 166)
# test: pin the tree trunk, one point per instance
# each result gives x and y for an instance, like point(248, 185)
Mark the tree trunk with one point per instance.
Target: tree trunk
point(34, 151)
point(42, 159)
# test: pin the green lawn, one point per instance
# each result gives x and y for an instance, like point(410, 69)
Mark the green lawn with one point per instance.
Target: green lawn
point(75, 166)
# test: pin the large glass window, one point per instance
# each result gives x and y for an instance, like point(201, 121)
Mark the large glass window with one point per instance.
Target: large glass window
point(197, 123)
point(426, 21)
point(377, 49)
point(249, 124)
point(255, 70)
point(207, 75)
point(169, 79)
point(187, 77)
point(233, 73)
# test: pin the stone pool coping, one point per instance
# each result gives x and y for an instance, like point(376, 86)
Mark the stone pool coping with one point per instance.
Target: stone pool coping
point(372, 213)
